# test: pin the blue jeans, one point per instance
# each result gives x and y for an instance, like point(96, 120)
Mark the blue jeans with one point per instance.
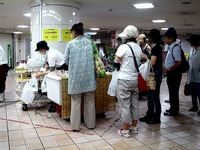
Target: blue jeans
point(153, 98)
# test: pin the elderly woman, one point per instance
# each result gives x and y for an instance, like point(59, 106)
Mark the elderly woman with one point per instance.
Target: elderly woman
point(194, 71)
point(127, 90)
point(82, 81)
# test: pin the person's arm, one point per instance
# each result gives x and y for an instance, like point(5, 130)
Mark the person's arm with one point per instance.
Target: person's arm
point(175, 66)
point(117, 62)
point(39, 74)
point(153, 60)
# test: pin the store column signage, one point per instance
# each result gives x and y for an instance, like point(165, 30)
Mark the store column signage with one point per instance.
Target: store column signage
point(66, 35)
point(9, 54)
point(51, 34)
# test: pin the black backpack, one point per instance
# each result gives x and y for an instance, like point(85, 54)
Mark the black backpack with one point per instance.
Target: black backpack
point(184, 63)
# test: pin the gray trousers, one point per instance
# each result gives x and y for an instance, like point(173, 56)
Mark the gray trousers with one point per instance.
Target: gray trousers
point(127, 95)
point(89, 110)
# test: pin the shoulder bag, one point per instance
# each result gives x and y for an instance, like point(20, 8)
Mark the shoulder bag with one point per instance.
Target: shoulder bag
point(142, 85)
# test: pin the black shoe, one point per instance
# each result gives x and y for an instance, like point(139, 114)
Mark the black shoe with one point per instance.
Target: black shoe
point(193, 109)
point(170, 113)
point(156, 121)
point(145, 119)
point(198, 113)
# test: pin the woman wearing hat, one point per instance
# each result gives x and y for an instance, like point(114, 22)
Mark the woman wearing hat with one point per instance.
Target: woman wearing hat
point(54, 58)
point(3, 73)
point(154, 107)
point(127, 90)
point(194, 71)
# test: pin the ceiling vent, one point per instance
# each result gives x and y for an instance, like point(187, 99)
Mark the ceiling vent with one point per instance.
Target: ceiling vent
point(186, 13)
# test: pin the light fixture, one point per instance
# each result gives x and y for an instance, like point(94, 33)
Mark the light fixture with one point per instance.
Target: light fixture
point(164, 29)
point(23, 26)
point(143, 5)
point(27, 14)
point(90, 33)
point(158, 21)
point(94, 29)
point(73, 13)
point(17, 32)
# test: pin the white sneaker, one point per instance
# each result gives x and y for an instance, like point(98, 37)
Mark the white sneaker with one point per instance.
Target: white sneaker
point(134, 130)
point(124, 133)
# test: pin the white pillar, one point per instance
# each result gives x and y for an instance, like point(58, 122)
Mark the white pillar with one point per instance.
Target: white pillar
point(53, 24)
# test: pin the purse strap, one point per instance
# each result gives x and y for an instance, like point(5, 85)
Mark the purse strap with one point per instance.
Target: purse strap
point(134, 59)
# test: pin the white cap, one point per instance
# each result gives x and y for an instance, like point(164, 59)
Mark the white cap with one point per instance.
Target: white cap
point(129, 32)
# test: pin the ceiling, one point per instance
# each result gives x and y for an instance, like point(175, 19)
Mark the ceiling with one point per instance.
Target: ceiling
point(112, 15)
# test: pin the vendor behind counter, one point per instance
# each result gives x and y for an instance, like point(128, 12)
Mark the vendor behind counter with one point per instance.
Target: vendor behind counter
point(54, 58)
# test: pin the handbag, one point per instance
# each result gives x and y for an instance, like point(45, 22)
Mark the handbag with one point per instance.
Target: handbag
point(112, 89)
point(151, 81)
point(187, 89)
point(142, 85)
point(99, 66)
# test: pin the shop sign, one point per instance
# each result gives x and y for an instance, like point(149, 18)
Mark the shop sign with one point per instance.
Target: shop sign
point(51, 34)
point(9, 54)
point(66, 35)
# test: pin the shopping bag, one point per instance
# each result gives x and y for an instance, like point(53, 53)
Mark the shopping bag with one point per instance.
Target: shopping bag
point(99, 66)
point(112, 89)
point(44, 85)
point(27, 95)
point(187, 89)
point(34, 84)
point(142, 85)
point(144, 69)
point(151, 81)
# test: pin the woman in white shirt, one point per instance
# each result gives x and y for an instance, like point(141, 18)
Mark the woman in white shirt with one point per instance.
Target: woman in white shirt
point(3, 73)
point(127, 90)
point(54, 58)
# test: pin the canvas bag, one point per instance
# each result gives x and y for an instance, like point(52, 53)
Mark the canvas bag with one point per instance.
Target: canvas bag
point(99, 66)
point(142, 85)
point(151, 80)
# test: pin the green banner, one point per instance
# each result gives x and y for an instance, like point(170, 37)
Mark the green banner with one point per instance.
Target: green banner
point(9, 54)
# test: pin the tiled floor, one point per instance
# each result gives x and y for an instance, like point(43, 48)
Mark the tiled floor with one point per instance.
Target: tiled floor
point(26, 130)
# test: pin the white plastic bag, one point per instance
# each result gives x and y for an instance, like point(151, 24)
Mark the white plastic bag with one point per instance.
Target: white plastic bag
point(27, 95)
point(145, 69)
point(112, 89)
point(44, 85)
point(34, 84)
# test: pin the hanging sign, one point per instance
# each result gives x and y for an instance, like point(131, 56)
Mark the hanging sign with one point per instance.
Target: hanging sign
point(66, 35)
point(51, 34)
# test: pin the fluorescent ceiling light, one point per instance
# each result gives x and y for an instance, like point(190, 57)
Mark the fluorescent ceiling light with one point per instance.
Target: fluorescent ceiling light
point(27, 14)
point(158, 21)
point(90, 33)
point(94, 29)
point(17, 32)
point(164, 29)
point(73, 13)
point(143, 5)
point(23, 26)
